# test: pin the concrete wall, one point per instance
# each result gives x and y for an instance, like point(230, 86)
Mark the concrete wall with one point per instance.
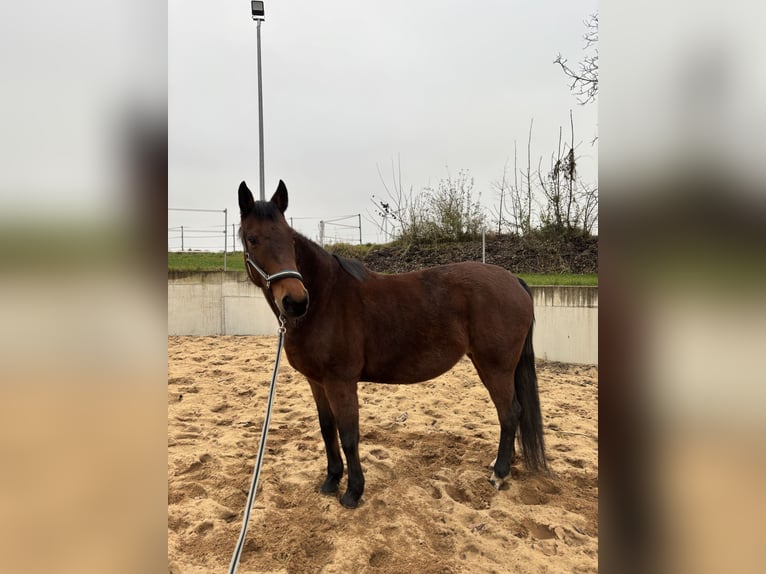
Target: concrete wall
point(217, 304)
point(566, 327)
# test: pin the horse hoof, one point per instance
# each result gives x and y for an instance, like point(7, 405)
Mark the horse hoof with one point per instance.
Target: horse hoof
point(349, 501)
point(496, 481)
point(329, 487)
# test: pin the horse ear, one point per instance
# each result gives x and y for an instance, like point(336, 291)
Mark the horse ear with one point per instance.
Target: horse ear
point(280, 196)
point(246, 200)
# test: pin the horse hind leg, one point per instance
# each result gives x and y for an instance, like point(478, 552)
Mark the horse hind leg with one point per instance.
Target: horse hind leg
point(513, 425)
point(500, 384)
point(506, 450)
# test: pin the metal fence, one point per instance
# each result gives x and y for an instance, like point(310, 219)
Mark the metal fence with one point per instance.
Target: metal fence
point(210, 230)
point(197, 232)
point(344, 229)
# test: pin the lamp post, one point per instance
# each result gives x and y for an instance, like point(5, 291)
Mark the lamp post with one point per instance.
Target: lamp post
point(259, 15)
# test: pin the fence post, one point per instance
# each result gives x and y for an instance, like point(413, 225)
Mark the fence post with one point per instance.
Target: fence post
point(321, 233)
point(225, 219)
point(359, 215)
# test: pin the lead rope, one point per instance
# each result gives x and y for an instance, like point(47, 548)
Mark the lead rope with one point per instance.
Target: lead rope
point(261, 448)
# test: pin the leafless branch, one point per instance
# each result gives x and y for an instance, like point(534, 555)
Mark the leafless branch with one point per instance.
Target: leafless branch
point(584, 81)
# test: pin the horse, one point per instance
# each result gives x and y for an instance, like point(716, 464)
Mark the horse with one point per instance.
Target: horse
point(345, 324)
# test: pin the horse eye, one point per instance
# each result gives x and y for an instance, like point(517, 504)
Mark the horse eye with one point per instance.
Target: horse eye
point(252, 240)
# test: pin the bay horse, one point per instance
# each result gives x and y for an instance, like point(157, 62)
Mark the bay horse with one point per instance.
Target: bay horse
point(346, 324)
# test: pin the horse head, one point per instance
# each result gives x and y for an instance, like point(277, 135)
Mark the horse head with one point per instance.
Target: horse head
point(269, 246)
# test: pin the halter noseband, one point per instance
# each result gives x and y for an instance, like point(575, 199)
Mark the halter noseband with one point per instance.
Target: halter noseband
point(276, 277)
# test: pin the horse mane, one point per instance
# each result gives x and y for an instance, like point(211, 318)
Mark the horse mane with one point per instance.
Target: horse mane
point(353, 267)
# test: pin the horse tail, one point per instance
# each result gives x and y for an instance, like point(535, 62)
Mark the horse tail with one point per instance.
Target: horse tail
point(531, 420)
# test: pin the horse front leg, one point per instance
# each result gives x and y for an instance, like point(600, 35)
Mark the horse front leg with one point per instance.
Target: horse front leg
point(329, 430)
point(344, 402)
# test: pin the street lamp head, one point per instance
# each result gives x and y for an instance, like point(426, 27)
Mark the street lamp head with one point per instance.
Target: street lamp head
point(257, 10)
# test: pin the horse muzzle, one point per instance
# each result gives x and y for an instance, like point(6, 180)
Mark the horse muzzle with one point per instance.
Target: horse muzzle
point(291, 302)
point(294, 307)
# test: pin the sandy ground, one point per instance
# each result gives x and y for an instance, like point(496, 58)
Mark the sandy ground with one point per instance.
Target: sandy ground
point(427, 507)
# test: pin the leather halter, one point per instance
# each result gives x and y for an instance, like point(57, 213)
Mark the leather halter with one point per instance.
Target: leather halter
point(276, 276)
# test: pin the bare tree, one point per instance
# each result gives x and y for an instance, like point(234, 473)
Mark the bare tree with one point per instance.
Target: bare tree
point(589, 200)
point(515, 209)
point(557, 188)
point(527, 221)
point(570, 205)
point(391, 212)
point(502, 189)
point(584, 81)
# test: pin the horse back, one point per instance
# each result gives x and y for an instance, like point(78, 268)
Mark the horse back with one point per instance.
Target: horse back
point(417, 325)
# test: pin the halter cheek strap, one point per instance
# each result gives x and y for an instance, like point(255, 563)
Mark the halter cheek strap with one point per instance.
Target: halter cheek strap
point(276, 277)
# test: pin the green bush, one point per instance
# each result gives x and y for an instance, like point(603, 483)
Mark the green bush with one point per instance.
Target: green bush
point(447, 213)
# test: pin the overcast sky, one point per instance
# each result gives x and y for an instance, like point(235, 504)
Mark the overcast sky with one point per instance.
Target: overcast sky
point(349, 86)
